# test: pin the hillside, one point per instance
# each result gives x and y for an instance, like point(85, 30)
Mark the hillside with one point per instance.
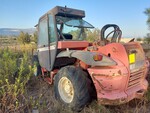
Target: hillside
point(15, 31)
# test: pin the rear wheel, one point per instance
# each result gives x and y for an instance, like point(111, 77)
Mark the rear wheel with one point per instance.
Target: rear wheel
point(71, 87)
point(66, 90)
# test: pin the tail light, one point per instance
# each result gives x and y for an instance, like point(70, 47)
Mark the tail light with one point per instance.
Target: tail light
point(97, 57)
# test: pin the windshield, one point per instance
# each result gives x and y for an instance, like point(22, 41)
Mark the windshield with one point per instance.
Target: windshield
point(74, 22)
point(73, 27)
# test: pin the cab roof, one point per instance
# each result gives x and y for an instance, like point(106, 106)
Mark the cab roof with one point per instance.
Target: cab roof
point(66, 12)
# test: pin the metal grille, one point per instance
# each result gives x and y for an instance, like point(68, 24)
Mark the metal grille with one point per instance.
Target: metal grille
point(135, 78)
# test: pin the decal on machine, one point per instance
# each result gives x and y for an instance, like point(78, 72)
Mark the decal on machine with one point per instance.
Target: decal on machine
point(47, 48)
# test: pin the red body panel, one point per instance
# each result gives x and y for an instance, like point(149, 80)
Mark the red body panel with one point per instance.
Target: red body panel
point(117, 84)
point(72, 44)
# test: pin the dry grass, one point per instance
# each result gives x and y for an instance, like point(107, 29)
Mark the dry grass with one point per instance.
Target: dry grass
point(29, 48)
point(43, 92)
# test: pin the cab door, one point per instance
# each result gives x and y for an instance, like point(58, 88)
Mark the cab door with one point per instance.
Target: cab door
point(47, 41)
point(53, 40)
point(43, 43)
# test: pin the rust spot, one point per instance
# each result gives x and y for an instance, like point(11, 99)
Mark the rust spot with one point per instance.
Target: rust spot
point(101, 92)
point(106, 101)
point(93, 76)
point(119, 72)
point(114, 49)
point(100, 75)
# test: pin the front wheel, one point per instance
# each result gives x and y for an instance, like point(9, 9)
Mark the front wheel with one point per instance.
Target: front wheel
point(71, 87)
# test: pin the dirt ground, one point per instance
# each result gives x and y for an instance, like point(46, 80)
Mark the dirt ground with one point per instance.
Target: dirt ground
point(42, 95)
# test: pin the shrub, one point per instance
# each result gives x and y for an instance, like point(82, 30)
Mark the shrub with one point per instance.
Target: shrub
point(14, 75)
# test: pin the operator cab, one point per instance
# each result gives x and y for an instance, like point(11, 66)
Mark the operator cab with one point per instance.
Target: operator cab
point(58, 29)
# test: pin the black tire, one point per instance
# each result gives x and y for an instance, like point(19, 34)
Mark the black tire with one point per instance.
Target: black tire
point(36, 66)
point(81, 86)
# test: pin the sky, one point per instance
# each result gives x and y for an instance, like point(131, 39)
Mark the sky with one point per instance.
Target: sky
point(128, 14)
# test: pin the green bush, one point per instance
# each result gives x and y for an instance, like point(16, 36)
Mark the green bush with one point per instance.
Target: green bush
point(148, 95)
point(14, 75)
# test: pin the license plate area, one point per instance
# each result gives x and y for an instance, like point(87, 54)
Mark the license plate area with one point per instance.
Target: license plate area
point(132, 58)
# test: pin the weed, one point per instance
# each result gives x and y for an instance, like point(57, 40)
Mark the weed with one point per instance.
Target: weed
point(13, 78)
point(148, 95)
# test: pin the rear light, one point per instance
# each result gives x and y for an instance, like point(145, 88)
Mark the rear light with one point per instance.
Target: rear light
point(97, 57)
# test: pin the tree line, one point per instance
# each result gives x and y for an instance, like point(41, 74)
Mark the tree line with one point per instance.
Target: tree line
point(147, 37)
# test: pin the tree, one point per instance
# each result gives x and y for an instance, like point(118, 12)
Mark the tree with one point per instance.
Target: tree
point(35, 36)
point(92, 35)
point(139, 39)
point(147, 12)
point(75, 33)
point(23, 38)
point(147, 38)
point(27, 38)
